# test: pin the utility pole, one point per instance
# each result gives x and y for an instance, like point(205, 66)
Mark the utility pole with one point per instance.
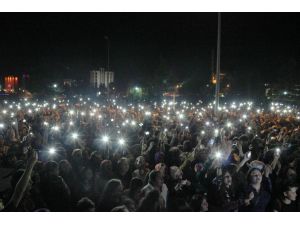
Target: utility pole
point(217, 92)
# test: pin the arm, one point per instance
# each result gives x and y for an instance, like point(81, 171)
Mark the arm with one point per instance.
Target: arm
point(24, 180)
point(275, 161)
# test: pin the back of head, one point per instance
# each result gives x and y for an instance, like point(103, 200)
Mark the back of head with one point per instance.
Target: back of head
point(150, 203)
point(51, 168)
point(85, 205)
point(152, 176)
point(110, 188)
point(121, 208)
point(136, 184)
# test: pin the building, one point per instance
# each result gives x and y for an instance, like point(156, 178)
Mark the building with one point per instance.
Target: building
point(70, 83)
point(11, 83)
point(101, 77)
point(283, 94)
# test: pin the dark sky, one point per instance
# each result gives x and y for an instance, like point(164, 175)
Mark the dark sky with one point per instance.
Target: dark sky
point(256, 45)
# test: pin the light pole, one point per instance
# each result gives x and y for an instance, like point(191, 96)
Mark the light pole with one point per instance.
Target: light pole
point(217, 92)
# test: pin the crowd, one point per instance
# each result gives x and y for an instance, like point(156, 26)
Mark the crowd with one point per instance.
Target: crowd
point(81, 155)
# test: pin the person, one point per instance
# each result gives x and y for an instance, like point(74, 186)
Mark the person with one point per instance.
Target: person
point(256, 195)
point(151, 202)
point(85, 205)
point(106, 174)
point(141, 169)
point(22, 185)
point(155, 182)
point(286, 201)
point(123, 171)
point(179, 190)
point(199, 202)
point(134, 191)
point(54, 189)
point(226, 199)
point(111, 196)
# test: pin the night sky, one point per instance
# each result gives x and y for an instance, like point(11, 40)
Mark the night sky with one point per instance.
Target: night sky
point(256, 47)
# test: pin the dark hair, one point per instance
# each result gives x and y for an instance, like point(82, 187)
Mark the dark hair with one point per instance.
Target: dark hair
point(108, 199)
point(50, 167)
point(268, 157)
point(150, 203)
point(231, 169)
point(286, 185)
point(85, 204)
point(197, 200)
point(135, 185)
point(153, 175)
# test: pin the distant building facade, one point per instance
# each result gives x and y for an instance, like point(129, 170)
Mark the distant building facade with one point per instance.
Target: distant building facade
point(101, 77)
point(279, 93)
point(11, 83)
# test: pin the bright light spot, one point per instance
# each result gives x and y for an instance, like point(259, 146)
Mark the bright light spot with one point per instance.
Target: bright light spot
point(105, 139)
point(218, 155)
point(55, 128)
point(121, 141)
point(181, 116)
point(216, 132)
point(74, 135)
point(229, 124)
point(1, 125)
point(52, 151)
